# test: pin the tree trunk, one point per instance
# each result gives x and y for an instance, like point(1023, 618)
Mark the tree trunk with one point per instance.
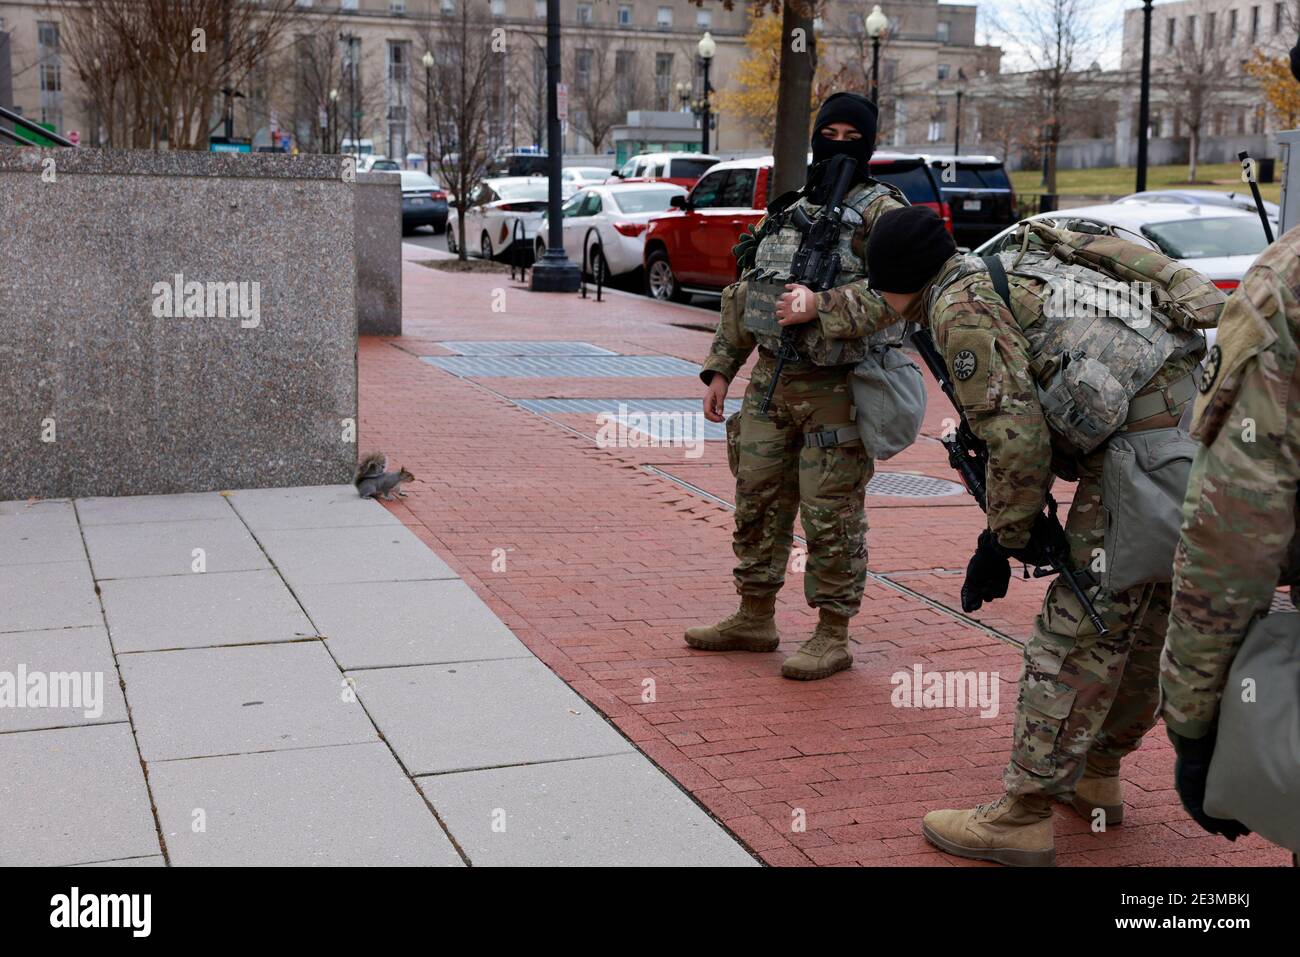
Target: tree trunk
point(793, 99)
point(1193, 147)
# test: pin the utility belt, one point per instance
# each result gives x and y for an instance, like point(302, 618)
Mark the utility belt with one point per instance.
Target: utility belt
point(1160, 408)
point(803, 366)
point(846, 434)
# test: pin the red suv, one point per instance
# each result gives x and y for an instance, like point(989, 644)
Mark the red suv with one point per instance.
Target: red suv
point(688, 250)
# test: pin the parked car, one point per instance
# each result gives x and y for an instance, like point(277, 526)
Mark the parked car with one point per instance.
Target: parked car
point(1206, 197)
point(574, 178)
point(620, 213)
point(978, 194)
point(519, 163)
point(688, 250)
point(1219, 241)
point(424, 202)
point(681, 169)
point(492, 209)
point(381, 164)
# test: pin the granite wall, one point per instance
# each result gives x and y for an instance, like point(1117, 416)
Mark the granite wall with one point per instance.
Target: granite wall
point(175, 321)
point(379, 254)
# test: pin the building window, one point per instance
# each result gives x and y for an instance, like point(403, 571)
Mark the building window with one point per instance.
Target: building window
point(941, 31)
point(584, 13)
point(663, 81)
point(348, 4)
point(1232, 25)
point(397, 7)
point(1210, 22)
point(704, 19)
point(50, 71)
point(624, 15)
point(664, 18)
point(943, 71)
point(498, 8)
point(1171, 27)
point(1277, 20)
point(582, 70)
point(399, 89)
point(1254, 24)
point(539, 9)
point(448, 6)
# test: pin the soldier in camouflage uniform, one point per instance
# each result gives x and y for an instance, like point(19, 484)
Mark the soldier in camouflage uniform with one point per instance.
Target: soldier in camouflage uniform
point(1239, 517)
point(804, 453)
point(1085, 699)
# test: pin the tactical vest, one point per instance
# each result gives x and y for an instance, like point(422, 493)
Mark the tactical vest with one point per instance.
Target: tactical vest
point(773, 259)
point(1089, 363)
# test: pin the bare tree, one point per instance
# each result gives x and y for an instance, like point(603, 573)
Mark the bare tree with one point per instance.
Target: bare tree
point(466, 67)
point(155, 69)
point(1195, 73)
point(602, 86)
point(1057, 37)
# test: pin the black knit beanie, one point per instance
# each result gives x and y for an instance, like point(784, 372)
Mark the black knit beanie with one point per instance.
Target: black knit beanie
point(906, 249)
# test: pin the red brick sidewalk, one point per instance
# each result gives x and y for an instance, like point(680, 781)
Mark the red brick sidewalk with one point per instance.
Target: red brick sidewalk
point(607, 560)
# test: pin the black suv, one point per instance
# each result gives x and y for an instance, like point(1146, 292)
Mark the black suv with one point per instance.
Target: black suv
point(978, 191)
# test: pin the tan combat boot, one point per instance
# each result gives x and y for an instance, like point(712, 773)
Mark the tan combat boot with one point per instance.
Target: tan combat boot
point(825, 653)
point(751, 628)
point(1014, 829)
point(1095, 792)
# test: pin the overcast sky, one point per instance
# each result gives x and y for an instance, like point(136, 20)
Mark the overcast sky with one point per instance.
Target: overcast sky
point(996, 24)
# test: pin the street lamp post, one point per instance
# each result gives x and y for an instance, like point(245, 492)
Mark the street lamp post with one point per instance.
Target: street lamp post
point(877, 23)
point(427, 60)
point(684, 94)
point(1144, 103)
point(554, 272)
point(349, 39)
point(706, 49)
point(956, 141)
point(334, 120)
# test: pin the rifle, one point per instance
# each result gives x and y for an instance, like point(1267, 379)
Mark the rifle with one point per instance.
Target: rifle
point(969, 456)
point(1248, 167)
point(816, 264)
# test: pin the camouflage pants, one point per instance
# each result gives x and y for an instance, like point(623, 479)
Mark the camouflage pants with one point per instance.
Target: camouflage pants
point(1086, 700)
point(776, 473)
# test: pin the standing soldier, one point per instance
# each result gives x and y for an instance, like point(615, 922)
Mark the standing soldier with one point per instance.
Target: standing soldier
point(1086, 697)
point(802, 451)
point(1240, 513)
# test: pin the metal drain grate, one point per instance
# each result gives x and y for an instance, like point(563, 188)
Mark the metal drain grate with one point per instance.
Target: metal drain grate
point(905, 485)
point(534, 367)
point(502, 347)
point(655, 427)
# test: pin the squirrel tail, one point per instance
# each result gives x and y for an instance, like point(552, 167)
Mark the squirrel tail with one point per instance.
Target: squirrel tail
point(372, 465)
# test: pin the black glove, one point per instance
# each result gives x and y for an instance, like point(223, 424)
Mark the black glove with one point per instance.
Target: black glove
point(1190, 773)
point(745, 248)
point(987, 574)
point(1045, 539)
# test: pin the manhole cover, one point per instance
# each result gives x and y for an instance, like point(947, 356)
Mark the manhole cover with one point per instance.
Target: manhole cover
point(659, 418)
point(905, 485)
point(501, 347)
point(534, 367)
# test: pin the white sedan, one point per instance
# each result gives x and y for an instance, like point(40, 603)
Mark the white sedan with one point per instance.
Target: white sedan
point(493, 208)
point(1219, 241)
point(619, 213)
point(574, 178)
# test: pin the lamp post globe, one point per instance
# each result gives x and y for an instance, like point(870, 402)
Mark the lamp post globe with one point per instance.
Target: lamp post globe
point(877, 23)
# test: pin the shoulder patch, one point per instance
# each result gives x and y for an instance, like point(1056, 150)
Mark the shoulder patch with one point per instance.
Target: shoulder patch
point(964, 364)
point(1243, 334)
point(1212, 363)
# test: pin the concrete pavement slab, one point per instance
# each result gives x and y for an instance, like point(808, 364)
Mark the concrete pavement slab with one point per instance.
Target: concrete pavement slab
point(137, 509)
point(482, 714)
point(73, 795)
point(348, 805)
point(326, 506)
point(40, 597)
point(39, 532)
point(320, 556)
point(208, 701)
point(380, 624)
point(594, 812)
point(194, 611)
point(75, 668)
point(155, 860)
point(151, 549)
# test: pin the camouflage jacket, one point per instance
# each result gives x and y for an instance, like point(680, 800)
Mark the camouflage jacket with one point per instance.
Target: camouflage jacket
point(989, 356)
point(850, 311)
point(1239, 514)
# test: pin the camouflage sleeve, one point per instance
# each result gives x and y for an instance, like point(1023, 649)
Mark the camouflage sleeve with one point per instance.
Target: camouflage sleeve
point(1239, 513)
point(732, 342)
point(852, 311)
point(988, 359)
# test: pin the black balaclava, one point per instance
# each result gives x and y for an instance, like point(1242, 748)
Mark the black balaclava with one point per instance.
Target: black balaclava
point(843, 107)
point(1295, 61)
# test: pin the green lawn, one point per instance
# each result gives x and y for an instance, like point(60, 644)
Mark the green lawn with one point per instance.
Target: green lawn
point(1119, 180)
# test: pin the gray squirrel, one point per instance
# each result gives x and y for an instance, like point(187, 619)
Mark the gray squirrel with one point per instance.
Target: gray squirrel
point(373, 482)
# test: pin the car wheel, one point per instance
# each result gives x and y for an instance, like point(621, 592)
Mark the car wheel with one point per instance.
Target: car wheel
point(539, 249)
point(452, 245)
point(661, 283)
point(485, 247)
point(600, 268)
